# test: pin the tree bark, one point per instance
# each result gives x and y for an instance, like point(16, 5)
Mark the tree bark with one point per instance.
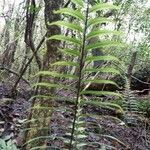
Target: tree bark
point(44, 115)
point(131, 66)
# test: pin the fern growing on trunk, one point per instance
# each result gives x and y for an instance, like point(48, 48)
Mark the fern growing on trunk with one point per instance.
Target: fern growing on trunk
point(84, 16)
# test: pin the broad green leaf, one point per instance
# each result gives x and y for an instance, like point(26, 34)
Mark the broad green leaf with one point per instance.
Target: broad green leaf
point(99, 81)
point(98, 20)
point(3, 143)
point(65, 63)
point(74, 13)
point(55, 74)
point(102, 32)
point(71, 52)
point(104, 44)
point(106, 58)
point(100, 93)
point(105, 70)
point(78, 2)
point(71, 26)
point(65, 38)
point(103, 6)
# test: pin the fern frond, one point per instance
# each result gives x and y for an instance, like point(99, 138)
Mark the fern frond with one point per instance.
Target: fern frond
point(105, 58)
point(97, 33)
point(80, 49)
point(98, 20)
point(101, 93)
point(102, 6)
point(65, 38)
point(65, 63)
point(74, 13)
point(70, 52)
point(74, 27)
point(103, 104)
point(104, 70)
point(130, 105)
point(99, 81)
point(104, 44)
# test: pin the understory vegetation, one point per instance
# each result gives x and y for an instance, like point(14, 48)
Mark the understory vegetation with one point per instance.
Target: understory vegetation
point(75, 75)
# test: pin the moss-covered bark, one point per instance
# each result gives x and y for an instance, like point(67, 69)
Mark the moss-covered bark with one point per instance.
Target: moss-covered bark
point(40, 127)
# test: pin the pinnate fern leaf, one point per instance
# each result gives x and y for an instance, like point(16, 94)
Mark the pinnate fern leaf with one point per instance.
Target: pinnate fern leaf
point(98, 20)
point(80, 49)
point(74, 27)
point(74, 13)
point(103, 6)
point(65, 38)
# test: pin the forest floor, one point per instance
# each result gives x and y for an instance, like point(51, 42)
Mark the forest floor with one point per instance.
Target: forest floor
point(104, 128)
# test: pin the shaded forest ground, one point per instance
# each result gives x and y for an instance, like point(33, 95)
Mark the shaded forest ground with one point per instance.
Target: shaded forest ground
point(105, 128)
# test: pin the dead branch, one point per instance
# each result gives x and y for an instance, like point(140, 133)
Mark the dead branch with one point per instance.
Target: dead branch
point(140, 80)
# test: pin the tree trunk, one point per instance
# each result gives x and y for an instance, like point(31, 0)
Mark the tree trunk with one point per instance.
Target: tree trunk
point(44, 115)
point(131, 66)
point(9, 53)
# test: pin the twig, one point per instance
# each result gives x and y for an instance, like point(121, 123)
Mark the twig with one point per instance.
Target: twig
point(141, 91)
point(140, 80)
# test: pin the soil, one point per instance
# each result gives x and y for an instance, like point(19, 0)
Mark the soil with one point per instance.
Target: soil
point(103, 127)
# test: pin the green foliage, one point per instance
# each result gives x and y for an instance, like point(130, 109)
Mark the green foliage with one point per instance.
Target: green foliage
point(129, 105)
point(80, 50)
point(144, 107)
point(7, 145)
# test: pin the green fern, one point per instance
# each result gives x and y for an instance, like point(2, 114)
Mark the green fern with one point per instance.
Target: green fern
point(81, 48)
point(130, 105)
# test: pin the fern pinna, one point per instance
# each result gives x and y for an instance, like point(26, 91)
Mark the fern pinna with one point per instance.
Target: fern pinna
point(85, 29)
point(130, 105)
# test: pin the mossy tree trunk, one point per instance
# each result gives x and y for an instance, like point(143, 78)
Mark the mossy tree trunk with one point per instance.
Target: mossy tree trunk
point(40, 127)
